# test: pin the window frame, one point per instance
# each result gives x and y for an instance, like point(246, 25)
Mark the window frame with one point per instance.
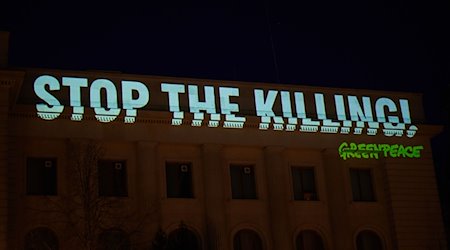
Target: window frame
point(125, 179)
point(27, 184)
point(369, 230)
point(316, 196)
point(257, 233)
point(190, 164)
point(182, 228)
point(316, 233)
point(370, 170)
point(243, 196)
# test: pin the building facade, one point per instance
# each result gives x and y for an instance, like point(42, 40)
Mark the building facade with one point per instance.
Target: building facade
point(232, 165)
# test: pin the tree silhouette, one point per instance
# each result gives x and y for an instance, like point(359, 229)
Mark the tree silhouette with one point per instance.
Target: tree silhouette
point(85, 214)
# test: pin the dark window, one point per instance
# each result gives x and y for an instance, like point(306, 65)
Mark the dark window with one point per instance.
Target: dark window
point(114, 239)
point(41, 176)
point(182, 239)
point(243, 182)
point(41, 238)
point(309, 240)
point(368, 240)
point(304, 183)
point(112, 178)
point(247, 239)
point(179, 180)
point(362, 188)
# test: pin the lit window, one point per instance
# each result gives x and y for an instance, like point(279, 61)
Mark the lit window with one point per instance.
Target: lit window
point(41, 176)
point(362, 188)
point(243, 184)
point(304, 185)
point(179, 180)
point(112, 178)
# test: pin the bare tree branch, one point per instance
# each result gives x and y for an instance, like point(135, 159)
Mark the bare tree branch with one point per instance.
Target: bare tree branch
point(81, 209)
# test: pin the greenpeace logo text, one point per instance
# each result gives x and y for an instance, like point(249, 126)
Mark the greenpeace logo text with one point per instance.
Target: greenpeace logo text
point(376, 151)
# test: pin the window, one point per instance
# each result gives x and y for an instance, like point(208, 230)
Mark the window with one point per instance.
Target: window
point(362, 188)
point(309, 240)
point(304, 184)
point(114, 239)
point(243, 182)
point(41, 238)
point(112, 178)
point(41, 176)
point(179, 180)
point(368, 240)
point(183, 238)
point(247, 239)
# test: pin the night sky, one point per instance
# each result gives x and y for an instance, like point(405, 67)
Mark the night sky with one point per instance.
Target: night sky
point(387, 45)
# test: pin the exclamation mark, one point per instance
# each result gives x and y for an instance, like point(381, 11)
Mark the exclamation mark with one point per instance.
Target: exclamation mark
point(404, 107)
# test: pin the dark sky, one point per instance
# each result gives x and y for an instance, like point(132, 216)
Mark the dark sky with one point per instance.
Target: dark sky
point(396, 45)
point(374, 44)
